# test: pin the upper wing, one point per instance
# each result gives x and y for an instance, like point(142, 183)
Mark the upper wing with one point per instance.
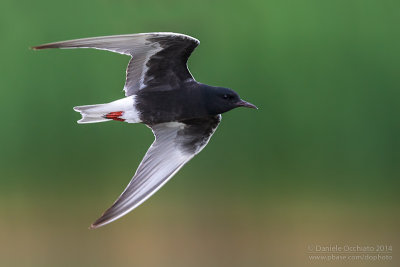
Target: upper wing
point(157, 58)
point(175, 144)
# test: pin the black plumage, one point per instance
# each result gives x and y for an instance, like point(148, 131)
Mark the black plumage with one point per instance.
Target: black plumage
point(161, 93)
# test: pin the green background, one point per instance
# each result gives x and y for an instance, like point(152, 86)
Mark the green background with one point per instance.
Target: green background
point(317, 164)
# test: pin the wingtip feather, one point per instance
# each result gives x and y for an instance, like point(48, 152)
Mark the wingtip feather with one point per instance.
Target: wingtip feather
point(98, 223)
point(92, 227)
point(45, 46)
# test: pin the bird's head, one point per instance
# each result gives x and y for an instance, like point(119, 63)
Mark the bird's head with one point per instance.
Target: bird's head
point(221, 100)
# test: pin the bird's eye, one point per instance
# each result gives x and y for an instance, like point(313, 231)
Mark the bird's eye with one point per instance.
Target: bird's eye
point(226, 96)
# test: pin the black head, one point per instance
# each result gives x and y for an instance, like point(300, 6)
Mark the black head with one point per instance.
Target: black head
point(220, 100)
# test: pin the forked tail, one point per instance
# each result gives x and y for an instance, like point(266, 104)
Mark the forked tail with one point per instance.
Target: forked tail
point(93, 113)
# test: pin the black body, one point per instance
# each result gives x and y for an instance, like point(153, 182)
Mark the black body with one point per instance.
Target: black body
point(190, 100)
point(164, 91)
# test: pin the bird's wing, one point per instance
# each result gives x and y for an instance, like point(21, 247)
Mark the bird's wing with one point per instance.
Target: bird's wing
point(158, 59)
point(175, 144)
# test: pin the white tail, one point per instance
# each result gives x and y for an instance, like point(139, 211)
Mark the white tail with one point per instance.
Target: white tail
point(121, 110)
point(92, 113)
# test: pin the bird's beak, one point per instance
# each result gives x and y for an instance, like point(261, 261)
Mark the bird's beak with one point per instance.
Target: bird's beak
point(246, 104)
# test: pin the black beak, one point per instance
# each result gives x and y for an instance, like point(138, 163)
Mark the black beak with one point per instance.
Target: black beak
point(243, 103)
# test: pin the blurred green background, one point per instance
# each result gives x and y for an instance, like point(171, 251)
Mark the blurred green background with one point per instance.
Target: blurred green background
point(318, 163)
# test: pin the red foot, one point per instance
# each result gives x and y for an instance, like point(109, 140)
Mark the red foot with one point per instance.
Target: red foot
point(115, 116)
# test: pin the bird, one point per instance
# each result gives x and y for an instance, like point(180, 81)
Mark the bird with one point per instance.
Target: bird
point(161, 93)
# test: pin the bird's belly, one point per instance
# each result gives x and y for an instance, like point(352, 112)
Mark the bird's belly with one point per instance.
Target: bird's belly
point(171, 113)
point(168, 106)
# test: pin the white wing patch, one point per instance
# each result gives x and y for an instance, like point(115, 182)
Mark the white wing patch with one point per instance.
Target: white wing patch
point(161, 162)
point(145, 67)
point(172, 148)
point(141, 47)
